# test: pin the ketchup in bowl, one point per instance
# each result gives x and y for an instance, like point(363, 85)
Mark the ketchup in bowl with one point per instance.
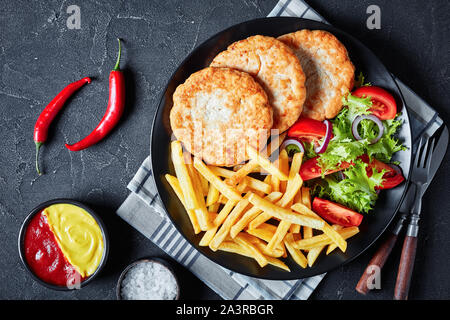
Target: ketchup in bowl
point(44, 255)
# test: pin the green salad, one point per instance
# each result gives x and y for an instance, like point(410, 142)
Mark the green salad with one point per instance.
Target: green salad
point(361, 146)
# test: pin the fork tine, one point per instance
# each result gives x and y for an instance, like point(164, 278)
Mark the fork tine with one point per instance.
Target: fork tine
point(428, 165)
point(416, 160)
point(423, 157)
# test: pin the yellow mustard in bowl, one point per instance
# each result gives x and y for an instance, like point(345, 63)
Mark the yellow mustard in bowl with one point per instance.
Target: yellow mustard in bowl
point(78, 235)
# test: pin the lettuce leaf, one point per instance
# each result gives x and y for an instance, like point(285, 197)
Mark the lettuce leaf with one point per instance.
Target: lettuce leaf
point(356, 191)
point(385, 148)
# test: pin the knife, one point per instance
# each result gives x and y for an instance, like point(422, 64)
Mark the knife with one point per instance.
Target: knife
point(380, 257)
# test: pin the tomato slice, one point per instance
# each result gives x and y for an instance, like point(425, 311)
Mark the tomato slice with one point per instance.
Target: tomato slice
point(336, 213)
point(383, 103)
point(308, 129)
point(392, 178)
point(310, 169)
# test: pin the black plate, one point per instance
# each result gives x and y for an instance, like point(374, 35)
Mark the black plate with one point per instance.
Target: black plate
point(373, 224)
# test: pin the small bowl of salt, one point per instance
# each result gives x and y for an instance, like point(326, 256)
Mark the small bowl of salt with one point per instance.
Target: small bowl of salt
point(148, 279)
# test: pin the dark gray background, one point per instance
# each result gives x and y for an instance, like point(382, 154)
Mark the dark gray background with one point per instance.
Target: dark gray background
point(39, 55)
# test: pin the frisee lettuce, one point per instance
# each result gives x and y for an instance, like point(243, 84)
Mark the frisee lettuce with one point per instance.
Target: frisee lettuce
point(356, 191)
point(360, 81)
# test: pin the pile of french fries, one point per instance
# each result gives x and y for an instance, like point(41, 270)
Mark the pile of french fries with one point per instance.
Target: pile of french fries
point(264, 220)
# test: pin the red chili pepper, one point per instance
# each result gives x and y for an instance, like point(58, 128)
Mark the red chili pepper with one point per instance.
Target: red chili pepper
point(113, 112)
point(51, 110)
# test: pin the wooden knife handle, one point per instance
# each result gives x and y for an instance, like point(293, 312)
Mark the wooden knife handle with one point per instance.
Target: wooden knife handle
point(377, 260)
point(405, 268)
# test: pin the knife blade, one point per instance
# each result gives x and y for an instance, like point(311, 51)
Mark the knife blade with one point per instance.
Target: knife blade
point(438, 155)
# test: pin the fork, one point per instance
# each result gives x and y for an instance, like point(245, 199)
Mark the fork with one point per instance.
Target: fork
point(420, 173)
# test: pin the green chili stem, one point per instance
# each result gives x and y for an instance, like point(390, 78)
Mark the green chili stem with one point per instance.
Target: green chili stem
point(116, 67)
point(38, 146)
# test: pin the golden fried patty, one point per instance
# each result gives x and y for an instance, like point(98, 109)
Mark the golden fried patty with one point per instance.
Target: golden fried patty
point(328, 70)
point(276, 68)
point(217, 111)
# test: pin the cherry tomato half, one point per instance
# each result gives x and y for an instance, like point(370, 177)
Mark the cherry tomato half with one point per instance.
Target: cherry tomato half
point(336, 213)
point(308, 130)
point(391, 177)
point(383, 103)
point(310, 169)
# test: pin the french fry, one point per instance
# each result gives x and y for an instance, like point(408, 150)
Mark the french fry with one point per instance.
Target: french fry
point(256, 169)
point(293, 186)
point(313, 254)
point(284, 214)
point(218, 220)
point(306, 197)
point(174, 183)
point(324, 239)
point(266, 232)
point(182, 173)
point(266, 164)
point(287, 198)
point(291, 190)
point(223, 214)
point(283, 162)
point(306, 200)
point(225, 189)
point(251, 182)
point(214, 207)
point(208, 235)
point(251, 214)
point(201, 212)
point(296, 164)
point(205, 185)
point(307, 232)
point(262, 245)
point(259, 220)
point(233, 247)
point(295, 228)
point(333, 246)
point(213, 195)
point(224, 230)
point(252, 166)
point(244, 171)
point(298, 196)
point(330, 232)
point(243, 240)
point(242, 187)
point(280, 233)
point(277, 263)
point(274, 180)
point(297, 255)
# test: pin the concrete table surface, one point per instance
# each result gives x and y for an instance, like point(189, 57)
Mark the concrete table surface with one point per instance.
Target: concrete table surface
point(39, 55)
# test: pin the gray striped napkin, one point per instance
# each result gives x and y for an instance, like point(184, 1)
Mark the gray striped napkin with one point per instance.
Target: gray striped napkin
point(144, 211)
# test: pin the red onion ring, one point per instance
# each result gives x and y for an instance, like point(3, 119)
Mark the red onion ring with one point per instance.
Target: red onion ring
point(371, 117)
point(295, 142)
point(322, 147)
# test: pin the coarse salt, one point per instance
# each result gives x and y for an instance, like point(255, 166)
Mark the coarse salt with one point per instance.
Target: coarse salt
point(149, 281)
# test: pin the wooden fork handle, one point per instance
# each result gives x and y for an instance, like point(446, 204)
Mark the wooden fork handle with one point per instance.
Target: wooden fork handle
point(405, 268)
point(377, 261)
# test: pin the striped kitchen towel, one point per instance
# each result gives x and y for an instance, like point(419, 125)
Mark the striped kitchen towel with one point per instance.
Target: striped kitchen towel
point(144, 211)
